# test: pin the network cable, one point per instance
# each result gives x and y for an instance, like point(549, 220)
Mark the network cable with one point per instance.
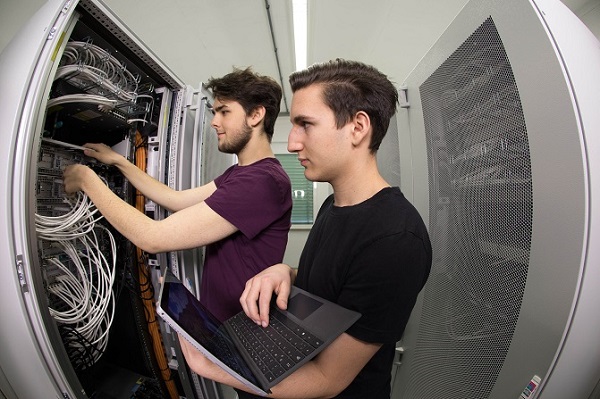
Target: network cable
point(104, 79)
point(84, 278)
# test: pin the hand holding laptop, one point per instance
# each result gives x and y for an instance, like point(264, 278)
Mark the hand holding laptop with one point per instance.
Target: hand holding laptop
point(255, 356)
point(192, 355)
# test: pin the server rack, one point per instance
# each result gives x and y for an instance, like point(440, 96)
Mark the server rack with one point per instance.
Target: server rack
point(78, 302)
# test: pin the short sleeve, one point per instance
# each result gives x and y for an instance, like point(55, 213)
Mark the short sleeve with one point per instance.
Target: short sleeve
point(252, 198)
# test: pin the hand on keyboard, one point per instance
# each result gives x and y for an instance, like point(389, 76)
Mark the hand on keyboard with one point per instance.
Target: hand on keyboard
point(256, 298)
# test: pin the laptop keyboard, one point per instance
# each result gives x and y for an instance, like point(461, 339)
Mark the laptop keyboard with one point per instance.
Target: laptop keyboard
point(276, 348)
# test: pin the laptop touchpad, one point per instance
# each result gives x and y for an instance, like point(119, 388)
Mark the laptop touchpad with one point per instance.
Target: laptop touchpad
point(303, 306)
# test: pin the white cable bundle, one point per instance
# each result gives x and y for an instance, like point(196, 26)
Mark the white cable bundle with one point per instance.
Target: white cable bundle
point(85, 64)
point(98, 67)
point(96, 76)
point(86, 291)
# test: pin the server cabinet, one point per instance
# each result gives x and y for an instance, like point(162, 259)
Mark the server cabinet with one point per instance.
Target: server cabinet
point(77, 304)
point(497, 147)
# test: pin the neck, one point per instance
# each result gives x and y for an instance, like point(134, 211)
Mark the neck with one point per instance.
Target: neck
point(358, 185)
point(257, 148)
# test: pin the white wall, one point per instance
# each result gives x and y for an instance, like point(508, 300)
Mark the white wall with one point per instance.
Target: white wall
point(13, 14)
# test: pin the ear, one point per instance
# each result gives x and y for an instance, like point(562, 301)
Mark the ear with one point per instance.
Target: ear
point(361, 129)
point(256, 116)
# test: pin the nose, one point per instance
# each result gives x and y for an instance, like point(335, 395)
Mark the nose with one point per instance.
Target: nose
point(215, 121)
point(294, 141)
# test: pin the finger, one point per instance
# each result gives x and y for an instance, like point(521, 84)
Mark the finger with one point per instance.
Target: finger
point(264, 303)
point(66, 180)
point(92, 149)
point(94, 146)
point(250, 297)
point(183, 345)
point(283, 296)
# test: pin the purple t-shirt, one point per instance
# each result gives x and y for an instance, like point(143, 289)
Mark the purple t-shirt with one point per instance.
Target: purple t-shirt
point(257, 200)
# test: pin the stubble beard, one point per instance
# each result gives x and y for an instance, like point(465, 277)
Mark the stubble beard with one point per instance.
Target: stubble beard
point(238, 142)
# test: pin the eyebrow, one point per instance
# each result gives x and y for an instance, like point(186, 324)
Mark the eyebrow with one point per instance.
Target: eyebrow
point(301, 118)
point(220, 107)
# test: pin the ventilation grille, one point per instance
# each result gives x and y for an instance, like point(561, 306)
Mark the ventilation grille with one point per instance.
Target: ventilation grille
point(481, 207)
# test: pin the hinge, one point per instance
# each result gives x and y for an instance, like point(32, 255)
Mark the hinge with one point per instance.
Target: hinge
point(67, 6)
point(21, 274)
point(403, 97)
point(54, 29)
point(52, 33)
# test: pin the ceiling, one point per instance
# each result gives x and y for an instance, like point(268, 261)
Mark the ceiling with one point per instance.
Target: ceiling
point(198, 39)
point(203, 38)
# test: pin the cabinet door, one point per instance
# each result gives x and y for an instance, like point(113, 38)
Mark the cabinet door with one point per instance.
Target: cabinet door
point(501, 132)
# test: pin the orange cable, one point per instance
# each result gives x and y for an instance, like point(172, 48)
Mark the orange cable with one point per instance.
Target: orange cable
point(147, 296)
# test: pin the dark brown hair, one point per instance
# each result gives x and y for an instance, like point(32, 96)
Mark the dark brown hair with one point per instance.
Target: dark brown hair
point(251, 90)
point(350, 87)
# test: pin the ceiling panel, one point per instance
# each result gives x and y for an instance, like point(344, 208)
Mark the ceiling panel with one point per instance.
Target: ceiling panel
point(393, 35)
point(203, 38)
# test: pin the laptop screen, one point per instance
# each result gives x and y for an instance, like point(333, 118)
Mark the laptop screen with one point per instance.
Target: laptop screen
point(181, 305)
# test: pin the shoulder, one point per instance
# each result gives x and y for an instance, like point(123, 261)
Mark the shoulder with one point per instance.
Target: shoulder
point(387, 217)
point(264, 170)
point(264, 182)
point(391, 207)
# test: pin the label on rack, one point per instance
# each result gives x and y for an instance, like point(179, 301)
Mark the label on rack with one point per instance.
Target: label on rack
point(530, 388)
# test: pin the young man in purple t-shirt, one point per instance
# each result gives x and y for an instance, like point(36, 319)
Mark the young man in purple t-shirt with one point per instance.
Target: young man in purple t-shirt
point(243, 216)
point(368, 250)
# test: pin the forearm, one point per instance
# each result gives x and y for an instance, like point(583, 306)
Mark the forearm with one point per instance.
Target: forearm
point(205, 368)
point(130, 222)
point(191, 227)
point(306, 383)
point(295, 386)
point(323, 377)
point(149, 186)
point(330, 372)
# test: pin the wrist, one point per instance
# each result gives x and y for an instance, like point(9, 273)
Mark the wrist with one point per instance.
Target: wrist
point(121, 162)
point(88, 179)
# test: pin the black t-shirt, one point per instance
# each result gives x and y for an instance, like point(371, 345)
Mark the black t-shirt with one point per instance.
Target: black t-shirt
point(374, 258)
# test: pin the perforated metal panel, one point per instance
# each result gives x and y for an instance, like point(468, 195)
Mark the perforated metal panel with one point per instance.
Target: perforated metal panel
point(481, 209)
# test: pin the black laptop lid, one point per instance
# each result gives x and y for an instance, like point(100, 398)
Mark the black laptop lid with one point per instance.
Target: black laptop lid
point(181, 305)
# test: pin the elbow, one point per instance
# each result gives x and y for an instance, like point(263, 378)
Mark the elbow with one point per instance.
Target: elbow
point(147, 247)
point(149, 243)
point(151, 250)
point(333, 394)
point(153, 247)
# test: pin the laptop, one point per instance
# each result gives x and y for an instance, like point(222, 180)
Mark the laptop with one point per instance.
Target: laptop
point(256, 356)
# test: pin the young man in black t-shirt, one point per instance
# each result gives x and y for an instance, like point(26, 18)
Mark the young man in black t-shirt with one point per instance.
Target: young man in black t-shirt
point(368, 250)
